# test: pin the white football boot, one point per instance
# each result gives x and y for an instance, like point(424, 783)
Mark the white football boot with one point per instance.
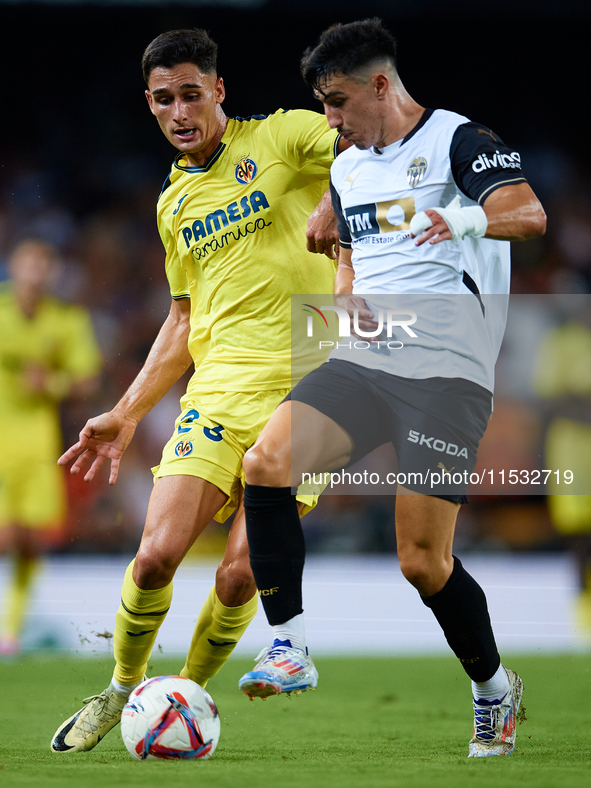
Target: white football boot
point(495, 722)
point(87, 727)
point(280, 668)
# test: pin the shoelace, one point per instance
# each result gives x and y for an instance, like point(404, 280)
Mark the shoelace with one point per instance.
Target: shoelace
point(485, 721)
point(102, 707)
point(93, 697)
point(270, 653)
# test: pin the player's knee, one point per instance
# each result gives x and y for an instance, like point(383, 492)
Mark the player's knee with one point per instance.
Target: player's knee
point(234, 582)
point(266, 467)
point(426, 570)
point(417, 568)
point(152, 570)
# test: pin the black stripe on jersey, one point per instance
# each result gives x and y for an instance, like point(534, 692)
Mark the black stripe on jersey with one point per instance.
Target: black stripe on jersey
point(473, 288)
point(344, 232)
point(481, 162)
point(180, 297)
point(208, 164)
point(165, 186)
point(424, 118)
point(335, 147)
point(250, 117)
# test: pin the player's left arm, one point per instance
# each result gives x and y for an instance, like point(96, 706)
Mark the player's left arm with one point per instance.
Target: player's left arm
point(489, 173)
point(514, 213)
point(511, 213)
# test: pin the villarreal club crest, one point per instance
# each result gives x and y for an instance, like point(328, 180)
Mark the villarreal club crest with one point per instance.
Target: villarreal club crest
point(246, 170)
point(183, 448)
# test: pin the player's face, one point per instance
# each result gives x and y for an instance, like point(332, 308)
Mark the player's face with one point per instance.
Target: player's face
point(353, 109)
point(186, 103)
point(31, 267)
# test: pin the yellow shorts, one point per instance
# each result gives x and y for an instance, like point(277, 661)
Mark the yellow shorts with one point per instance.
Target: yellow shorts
point(32, 492)
point(211, 437)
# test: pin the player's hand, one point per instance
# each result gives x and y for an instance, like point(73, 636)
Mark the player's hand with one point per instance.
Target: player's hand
point(433, 228)
point(365, 317)
point(104, 437)
point(35, 378)
point(322, 235)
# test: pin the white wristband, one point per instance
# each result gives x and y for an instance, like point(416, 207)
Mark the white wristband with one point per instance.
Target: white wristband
point(461, 222)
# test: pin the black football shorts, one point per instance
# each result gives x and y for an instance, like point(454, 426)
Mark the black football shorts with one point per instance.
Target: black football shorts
point(435, 424)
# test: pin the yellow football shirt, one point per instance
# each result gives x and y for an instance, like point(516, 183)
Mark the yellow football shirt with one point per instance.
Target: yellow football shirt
point(60, 337)
point(234, 234)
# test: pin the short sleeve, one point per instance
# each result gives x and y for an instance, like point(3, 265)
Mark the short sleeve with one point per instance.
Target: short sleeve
point(344, 232)
point(302, 137)
point(481, 162)
point(175, 273)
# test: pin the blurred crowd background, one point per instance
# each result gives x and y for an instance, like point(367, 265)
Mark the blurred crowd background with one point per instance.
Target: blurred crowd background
point(82, 162)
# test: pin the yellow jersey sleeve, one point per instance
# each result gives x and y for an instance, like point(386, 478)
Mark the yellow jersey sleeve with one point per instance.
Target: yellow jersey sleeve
point(175, 273)
point(304, 139)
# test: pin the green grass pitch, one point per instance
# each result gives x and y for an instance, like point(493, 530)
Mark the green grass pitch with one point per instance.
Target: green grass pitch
point(373, 722)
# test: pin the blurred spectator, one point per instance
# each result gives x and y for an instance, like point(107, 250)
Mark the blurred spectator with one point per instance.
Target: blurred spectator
point(47, 353)
point(562, 378)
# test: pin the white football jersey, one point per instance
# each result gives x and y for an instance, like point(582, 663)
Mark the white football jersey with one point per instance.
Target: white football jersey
point(375, 195)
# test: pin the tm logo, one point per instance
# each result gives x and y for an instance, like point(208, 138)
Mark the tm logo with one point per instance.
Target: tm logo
point(388, 320)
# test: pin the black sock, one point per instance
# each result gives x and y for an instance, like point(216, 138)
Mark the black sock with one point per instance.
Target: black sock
point(461, 610)
point(277, 549)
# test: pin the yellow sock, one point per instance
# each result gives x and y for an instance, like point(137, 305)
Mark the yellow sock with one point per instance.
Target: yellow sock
point(137, 623)
point(217, 631)
point(18, 595)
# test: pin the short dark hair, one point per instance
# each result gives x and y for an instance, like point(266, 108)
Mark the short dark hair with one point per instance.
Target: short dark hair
point(345, 49)
point(181, 46)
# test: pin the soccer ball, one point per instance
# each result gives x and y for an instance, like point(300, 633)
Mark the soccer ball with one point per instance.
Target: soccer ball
point(170, 717)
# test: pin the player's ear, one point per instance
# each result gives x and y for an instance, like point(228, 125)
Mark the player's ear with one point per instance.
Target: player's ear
point(220, 90)
point(380, 84)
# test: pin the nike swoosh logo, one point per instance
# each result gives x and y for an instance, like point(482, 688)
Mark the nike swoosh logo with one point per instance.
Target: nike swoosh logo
point(225, 642)
point(59, 742)
point(138, 634)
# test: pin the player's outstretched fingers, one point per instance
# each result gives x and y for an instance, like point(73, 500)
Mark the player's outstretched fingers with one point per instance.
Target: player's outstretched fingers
point(70, 454)
point(114, 470)
point(76, 449)
point(91, 472)
point(82, 460)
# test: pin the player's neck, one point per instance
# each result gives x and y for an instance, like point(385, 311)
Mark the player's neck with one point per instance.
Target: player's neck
point(201, 157)
point(403, 115)
point(28, 300)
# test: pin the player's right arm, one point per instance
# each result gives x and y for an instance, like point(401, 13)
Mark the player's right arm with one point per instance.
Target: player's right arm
point(343, 283)
point(108, 435)
point(343, 288)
